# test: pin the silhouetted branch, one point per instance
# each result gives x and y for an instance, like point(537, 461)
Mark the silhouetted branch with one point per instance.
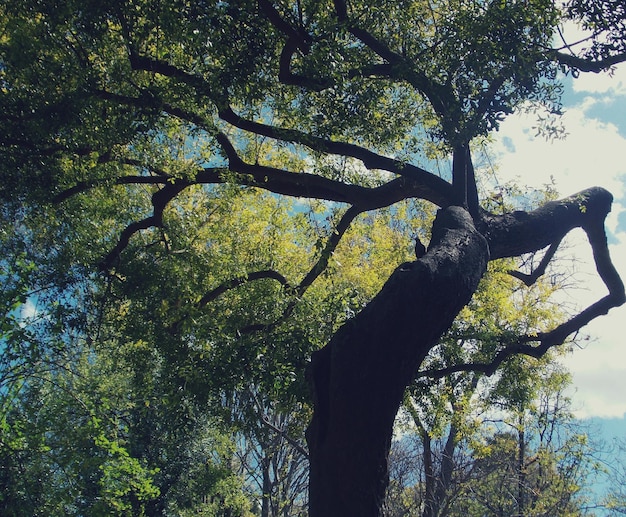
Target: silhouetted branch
point(160, 199)
point(318, 268)
point(530, 279)
point(430, 186)
point(589, 65)
point(236, 282)
point(588, 210)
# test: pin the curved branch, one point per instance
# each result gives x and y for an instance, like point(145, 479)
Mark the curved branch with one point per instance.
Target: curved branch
point(519, 232)
point(271, 179)
point(299, 38)
point(286, 76)
point(157, 66)
point(433, 188)
point(530, 279)
point(160, 199)
point(441, 97)
point(306, 185)
point(107, 262)
point(332, 243)
point(236, 282)
point(318, 268)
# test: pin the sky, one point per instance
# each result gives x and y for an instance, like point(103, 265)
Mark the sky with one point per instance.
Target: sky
point(592, 154)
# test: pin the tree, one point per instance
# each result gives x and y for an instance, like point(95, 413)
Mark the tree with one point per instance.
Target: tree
point(536, 462)
point(444, 421)
point(506, 455)
point(116, 112)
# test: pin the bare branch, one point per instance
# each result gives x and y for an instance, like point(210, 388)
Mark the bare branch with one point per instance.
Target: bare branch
point(530, 279)
point(280, 432)
point(236, 282)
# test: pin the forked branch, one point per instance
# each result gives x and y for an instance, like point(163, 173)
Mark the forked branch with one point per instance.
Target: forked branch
point(530, 278)
point(587, 210)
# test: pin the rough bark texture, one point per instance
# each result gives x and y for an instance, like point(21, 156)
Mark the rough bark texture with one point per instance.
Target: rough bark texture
point(359, 378)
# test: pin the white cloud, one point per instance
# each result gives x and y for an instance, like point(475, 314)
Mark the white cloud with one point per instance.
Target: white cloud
point(28, 310)
point(587, 156)
point(590, 155)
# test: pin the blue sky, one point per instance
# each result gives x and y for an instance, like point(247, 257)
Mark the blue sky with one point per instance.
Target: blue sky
point(592, 153)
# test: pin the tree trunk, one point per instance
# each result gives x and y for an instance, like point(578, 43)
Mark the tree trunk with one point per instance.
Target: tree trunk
point(267, 487)
point(429, 475)
point(358, 379)
point(521, 468)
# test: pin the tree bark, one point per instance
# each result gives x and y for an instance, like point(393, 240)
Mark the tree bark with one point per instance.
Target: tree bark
point(359, 378)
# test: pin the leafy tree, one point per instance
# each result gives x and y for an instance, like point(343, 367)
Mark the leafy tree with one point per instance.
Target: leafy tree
point(92, 437)
point(521, 456)
point(116, 116)
point(535, 467)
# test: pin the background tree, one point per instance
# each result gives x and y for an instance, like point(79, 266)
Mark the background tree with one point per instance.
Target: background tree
point(119, 113)
point(521, 456)
point(149, 435)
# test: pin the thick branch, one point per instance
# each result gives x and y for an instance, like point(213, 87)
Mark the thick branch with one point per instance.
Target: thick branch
point(588, 65)
point(313, 186)
point(286, 76)
point(525, 231)
point(519, 232)
point(127, 233)
point(422, 184)
point(268, 178)
point(236, 282)
point(463, 179)
point(431, 187)
point(299, 38)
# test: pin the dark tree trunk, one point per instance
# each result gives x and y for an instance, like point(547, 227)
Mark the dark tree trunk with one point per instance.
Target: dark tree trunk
point(430, 477)
point(267, 487)
point(359, 378)
point(437, 490)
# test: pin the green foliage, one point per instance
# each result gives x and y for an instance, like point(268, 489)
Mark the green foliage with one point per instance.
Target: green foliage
point(527, 456)
point(193, 205)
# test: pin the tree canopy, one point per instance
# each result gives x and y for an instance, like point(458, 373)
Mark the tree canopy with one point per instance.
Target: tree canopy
point(137, 139)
